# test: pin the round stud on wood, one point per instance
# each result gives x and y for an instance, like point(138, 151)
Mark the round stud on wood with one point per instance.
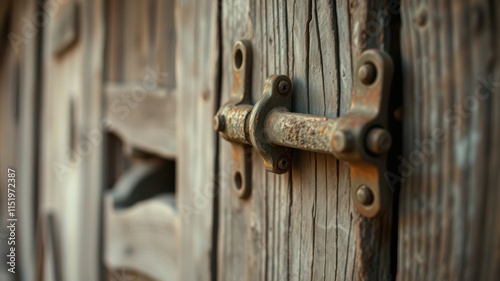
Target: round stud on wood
point(367, 73)
point(364, 195)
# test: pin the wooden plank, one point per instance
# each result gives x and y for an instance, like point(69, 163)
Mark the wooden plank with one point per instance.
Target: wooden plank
point(141, 64)
point(164, 41)
point(448, 213)
point(300, 225)
point(71, 160)
point(142, 238)
point(114, 41)
point(141, 35)
point(66, 32)
point(91, 182)
point(18, 74)
point(9, 128)
point(142, 117)
point(136, 39)
point(29, 115)
point(197, 60)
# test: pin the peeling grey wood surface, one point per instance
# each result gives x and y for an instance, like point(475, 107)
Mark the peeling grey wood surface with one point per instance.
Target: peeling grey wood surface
point(300, 225)
point(449, 215)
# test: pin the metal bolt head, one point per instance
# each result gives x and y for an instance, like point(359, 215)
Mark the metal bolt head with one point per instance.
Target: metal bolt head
point(379, 141)
point(342, 141)
point(367, 73)
point(218, 123)
point(283, 87)
point(364, 195)
point(283, 163)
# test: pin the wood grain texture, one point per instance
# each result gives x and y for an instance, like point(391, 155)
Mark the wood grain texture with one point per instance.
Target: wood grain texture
point(141, 34)
point(142, 238)
point(197, 55)
point(147, 122)
point(141, 64)
point(19, 119)
point(11, 67)
point(449, 215)
point(301, 225)
point(71, 160)
point(91, 193)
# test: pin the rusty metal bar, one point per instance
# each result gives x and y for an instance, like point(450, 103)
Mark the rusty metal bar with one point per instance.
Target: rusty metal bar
point(301, 131)
point(359, 137)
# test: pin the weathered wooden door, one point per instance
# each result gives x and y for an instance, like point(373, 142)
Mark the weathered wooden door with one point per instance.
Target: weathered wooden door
point(303, 224)
point(441, 223)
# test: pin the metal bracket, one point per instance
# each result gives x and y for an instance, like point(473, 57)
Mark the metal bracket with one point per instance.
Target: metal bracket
point(359, 137)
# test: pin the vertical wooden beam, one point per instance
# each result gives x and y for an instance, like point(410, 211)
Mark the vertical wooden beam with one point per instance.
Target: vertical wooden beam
point(29, 110)
point(197, 78)
point(71, 163)
point(301, 225)
point(448, 219)
point(91, 183)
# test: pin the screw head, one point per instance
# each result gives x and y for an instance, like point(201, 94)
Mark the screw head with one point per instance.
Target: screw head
point(219, 123)
point(283, 87)
point(367, 73)
point(283, 163)
point(379, 141)
point(364, 195)
point(342, 141)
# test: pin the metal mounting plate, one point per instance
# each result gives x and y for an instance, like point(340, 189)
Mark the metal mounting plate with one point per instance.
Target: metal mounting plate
point(359, 137)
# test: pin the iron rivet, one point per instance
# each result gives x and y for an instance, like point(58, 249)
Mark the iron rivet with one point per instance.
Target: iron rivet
point(283, 87)
point(283, 163)
point(219, 123)
point(364, 195)
point(379, 141)
point(342, 141)
point(367, 73)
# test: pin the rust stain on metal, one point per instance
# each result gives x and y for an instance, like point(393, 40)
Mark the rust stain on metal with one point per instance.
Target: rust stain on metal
point(358, 137)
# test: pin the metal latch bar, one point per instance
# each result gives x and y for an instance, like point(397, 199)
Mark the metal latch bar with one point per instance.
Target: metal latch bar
point(359, 137)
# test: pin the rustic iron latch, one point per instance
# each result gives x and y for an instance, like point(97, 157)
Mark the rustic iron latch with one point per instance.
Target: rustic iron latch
point(359, 137)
